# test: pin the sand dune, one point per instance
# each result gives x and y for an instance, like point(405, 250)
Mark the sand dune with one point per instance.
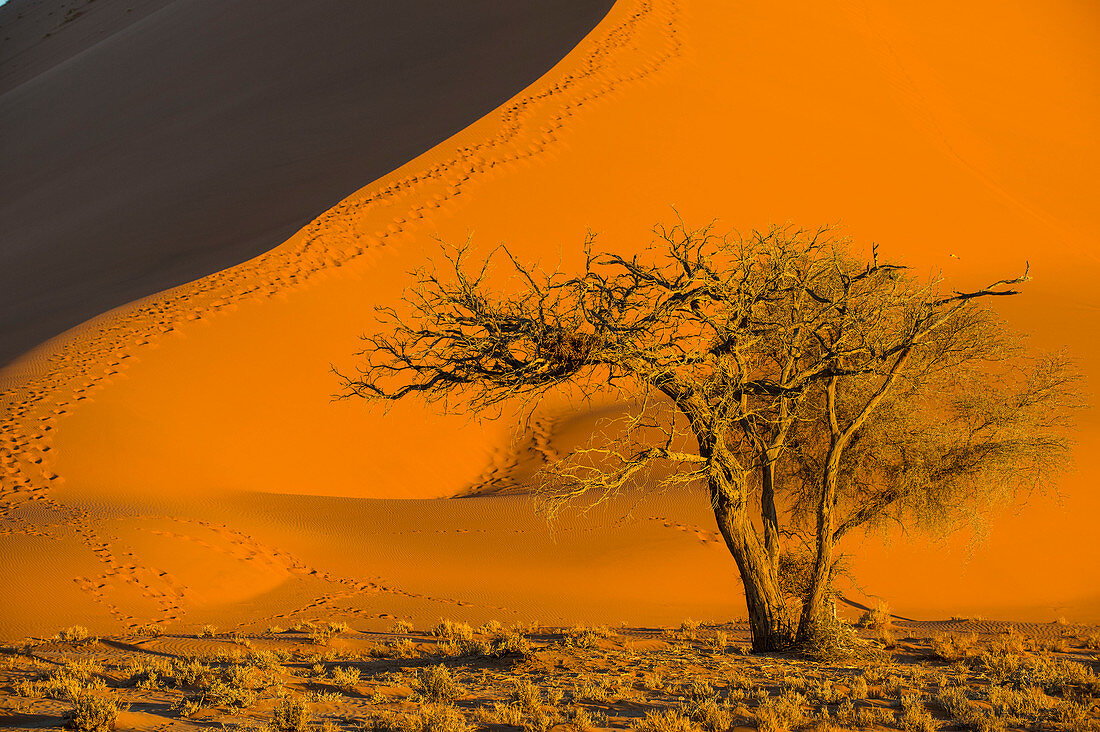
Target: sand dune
point(149, 143)
point(183, 461)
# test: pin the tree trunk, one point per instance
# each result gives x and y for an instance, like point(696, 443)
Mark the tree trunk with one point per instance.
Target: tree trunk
point(768, 513)
point(767, 615)
point(814, 604)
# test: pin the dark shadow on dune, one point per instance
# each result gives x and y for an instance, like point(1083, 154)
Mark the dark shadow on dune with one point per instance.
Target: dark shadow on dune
point(146, 143)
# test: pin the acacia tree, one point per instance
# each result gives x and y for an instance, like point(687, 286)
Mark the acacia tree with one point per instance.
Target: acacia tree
point(817, 394)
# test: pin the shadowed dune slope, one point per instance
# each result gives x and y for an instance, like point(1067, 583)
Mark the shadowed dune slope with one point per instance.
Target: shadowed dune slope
point(145, 144)
point(180, 459)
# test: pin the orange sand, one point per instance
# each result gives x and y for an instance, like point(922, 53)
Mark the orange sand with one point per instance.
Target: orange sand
point(182, 460)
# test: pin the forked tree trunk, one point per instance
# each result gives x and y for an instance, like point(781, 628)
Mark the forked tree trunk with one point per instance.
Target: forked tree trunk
point(815, 604)
point(767, 617)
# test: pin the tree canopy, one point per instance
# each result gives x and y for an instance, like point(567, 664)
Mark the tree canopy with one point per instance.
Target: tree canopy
point(812, 393)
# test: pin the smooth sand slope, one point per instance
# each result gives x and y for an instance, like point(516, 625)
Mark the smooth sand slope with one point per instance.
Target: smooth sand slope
point(179, 458)
point(145, 144)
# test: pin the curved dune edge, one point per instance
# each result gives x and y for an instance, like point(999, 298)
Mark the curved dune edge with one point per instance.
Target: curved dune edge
point(50, 381)
point(771, 113)
point(114, 585)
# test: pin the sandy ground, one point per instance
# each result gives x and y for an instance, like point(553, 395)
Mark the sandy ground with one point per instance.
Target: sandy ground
point(179, 460)
point(454, 677)
point(148, 143)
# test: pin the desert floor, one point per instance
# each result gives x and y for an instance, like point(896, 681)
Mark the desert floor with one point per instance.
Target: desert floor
point(179, 461)
point(915, 676)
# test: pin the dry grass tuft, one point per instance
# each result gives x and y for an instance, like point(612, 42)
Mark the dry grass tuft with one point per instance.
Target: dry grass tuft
point(580, 636)
point(321, 635)
point(345, 678)
point(92, 712)
point(780, 713)
point(437, 684)
point(149, 630)
point(914, 716)
point(290, 715)
point(74, 634)
point(876, 617)
point(427, 718)
point(450, 630)
point(668, 721)
point(953, 647)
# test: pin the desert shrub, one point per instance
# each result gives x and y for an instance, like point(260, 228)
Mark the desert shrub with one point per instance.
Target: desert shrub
point(322, 635)
point(780, 713)
point(825, 691)
point(150, 673)
point(345, 678)
point(74, 634)
point(720, 641)
point(493, 627)
point(582, 720)
point(475, 647)
point(190, 673)
point(437, 684)
point(667, 721)
point(511, 644)
point(580, 636)
point(83, 669)
point(209, 631)
point(92, 712)
point(508, 714)
point(450, 630)
point(697, 690)
point(688, 628)
point(232, 688)
point(738, 680)
point(438, 718)
point(955, 702)
point(526, 694)
point(59, 686)
point(403, 648)
point(857, 689)
point(1091, 641)
point(1053, 675)
point(607, 689)
point(65, 683)
point(885, 637)
point(653, 681)
point(708, 713)
point(402, 626)
point(149, 630)
point(914, 716)
point(846, 713)
point(952, 646)
point(1073, 716)
point(290, 715)
point(834, 640)
point(427, 718)
point(266, 658)
point(876, 617)
point(588, 689)
point(894, 687)
point(1029, 701)
point(1010, 642)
